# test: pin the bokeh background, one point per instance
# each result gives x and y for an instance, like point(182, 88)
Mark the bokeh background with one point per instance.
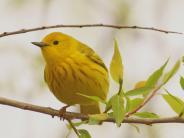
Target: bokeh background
point(21, 63)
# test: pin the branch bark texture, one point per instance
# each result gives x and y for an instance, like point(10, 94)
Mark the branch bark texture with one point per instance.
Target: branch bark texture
point(87, 25)
point(72, 115)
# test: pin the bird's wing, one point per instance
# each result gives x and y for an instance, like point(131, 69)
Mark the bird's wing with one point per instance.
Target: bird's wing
point(90, 54)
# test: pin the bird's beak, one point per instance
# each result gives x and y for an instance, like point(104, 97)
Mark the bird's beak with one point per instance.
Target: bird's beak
point(39, 44)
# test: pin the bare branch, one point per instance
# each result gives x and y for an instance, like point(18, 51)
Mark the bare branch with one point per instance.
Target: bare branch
point(72, 115)
point(87, 25)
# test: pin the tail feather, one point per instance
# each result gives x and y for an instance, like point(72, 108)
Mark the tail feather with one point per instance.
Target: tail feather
point(90, 109)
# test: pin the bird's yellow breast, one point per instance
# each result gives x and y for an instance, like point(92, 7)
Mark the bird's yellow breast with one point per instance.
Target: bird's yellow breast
point(75, 74)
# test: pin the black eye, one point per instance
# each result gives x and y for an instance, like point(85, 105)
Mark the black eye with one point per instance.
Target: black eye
point(55, 42)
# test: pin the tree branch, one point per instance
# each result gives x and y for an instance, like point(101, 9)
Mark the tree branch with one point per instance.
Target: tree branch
point(72, 115)
point(87, 25)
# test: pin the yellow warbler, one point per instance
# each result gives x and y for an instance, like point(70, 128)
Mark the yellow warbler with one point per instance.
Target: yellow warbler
point(72, 68)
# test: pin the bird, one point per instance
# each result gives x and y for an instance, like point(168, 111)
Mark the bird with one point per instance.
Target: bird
point(73, 70)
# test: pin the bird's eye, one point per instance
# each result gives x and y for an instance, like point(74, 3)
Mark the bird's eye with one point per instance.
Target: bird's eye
point(55, 42)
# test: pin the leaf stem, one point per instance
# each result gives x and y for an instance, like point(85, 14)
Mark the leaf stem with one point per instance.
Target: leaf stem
point(73, 127)
point(147, 99)
point(120, 86)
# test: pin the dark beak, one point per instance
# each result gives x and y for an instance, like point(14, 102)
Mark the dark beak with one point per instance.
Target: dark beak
point(39, 44)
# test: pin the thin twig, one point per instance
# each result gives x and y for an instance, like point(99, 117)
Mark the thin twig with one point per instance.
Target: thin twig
point(148, 98)
point(73, 127)
point(72, 115)
point(87, 25)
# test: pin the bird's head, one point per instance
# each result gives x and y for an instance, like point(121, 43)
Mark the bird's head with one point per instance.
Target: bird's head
point(56, 45)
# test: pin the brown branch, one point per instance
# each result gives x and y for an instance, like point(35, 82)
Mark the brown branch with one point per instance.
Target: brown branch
point(147, 99)
point(72, 115)
point(87, 25)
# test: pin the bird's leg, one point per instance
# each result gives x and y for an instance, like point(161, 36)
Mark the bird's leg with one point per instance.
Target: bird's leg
point(62, 111)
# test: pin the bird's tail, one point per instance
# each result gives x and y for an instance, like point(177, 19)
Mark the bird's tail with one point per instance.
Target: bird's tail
point(90, 109)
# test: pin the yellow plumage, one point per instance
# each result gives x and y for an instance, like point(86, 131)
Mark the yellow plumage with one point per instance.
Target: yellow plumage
point(72, 68)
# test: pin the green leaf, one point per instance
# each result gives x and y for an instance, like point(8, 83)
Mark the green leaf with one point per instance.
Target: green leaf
point(182, 82)
point(109, 103)
point(134, 103)
point(79, 123)
point(110, 114)
point(118, 109)
point(128, 102)
point(84, 133)
point(94, 98)
point(171, 73)
point(116, 66)
point(174, 102)
point(140, 84)
point(153, 79)
point(136, 127)
point(138, 91)
point(146, 115)
point(97, 118)
point(182, 59)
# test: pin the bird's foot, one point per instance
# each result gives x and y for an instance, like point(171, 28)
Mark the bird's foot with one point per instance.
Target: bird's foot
point(62, 112)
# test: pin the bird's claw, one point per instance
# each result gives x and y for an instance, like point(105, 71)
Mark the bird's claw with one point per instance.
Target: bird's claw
point(62, 112)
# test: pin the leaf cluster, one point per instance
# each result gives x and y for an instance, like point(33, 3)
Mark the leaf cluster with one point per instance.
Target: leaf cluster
point(126, 103)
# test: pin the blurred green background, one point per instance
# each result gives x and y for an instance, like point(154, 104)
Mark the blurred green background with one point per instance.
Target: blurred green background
point(21, 63)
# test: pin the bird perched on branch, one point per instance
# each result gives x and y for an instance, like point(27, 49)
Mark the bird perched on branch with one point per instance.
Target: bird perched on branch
point(73, 69)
